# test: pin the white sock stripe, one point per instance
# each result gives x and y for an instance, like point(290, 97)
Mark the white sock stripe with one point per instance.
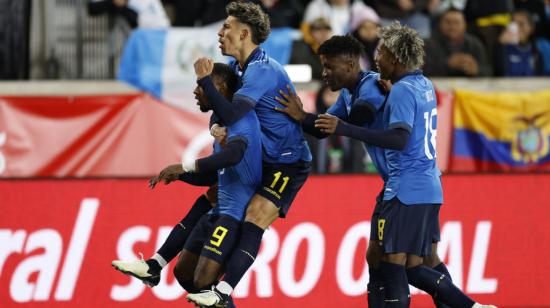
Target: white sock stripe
point(159, 259)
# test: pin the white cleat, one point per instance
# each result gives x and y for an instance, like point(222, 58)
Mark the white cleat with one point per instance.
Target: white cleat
point(208, 298)
point(138, 269)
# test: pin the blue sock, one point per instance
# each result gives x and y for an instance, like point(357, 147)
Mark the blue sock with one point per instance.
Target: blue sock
point(396, 286)
point(443, 270)
point(244, 253)
point(179, 234)
point(437, 285)
point(375, 289)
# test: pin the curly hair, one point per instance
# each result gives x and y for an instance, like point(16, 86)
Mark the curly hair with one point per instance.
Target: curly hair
point(341, 45)
point(252, 15)
point(225, 74)
point(405, 44)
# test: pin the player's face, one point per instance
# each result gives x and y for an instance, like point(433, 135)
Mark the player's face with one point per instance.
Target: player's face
point(202, 101)
point(385, 61)
point(229, 37)
point(336, 70)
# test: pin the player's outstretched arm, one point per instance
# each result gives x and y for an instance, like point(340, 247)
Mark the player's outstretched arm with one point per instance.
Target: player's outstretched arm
point(295, 110)
point(395, 138)
point(229, 156)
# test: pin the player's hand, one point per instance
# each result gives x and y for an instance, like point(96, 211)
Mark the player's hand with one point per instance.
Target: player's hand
point(326, 123)
point(167, 175)
point(219, 133)
point(384, 85)
point(294, 107)
point(203, 67)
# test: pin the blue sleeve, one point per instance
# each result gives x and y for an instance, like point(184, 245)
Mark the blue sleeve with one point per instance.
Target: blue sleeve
point(339, 109)
point(371, 94)
point(402, 109)
point(257, 80)
point(228, 112)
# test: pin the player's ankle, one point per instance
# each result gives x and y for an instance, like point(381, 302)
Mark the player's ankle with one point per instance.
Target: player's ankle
point(154, 266)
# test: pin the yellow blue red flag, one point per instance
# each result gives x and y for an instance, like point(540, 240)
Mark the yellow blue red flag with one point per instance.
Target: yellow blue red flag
point(501, 131)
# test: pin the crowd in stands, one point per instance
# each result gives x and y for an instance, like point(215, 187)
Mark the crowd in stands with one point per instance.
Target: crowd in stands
point(463, 38)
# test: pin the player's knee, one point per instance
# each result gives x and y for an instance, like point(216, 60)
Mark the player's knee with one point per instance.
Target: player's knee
point(432, 261)
point(261, 212)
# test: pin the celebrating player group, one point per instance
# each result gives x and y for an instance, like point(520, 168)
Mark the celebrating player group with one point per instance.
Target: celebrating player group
point(261, 160)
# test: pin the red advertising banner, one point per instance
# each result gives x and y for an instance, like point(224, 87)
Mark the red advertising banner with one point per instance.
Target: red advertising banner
point(58, 238)
point(113, 135)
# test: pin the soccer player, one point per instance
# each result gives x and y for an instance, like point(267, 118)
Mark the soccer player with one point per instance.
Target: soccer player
point(361, 102)
point(239, 168)
point(286, 156)
point(412, 195)
point(149, 270)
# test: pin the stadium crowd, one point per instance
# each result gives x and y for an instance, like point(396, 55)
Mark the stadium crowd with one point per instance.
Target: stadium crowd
point(463, 38)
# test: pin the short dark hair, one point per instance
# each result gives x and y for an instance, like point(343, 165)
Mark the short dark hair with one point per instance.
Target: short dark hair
point(224, 73)
point(252, 15)
point(339, 45)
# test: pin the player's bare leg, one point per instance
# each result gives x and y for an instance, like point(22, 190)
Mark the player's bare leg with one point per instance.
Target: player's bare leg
point(184, 270)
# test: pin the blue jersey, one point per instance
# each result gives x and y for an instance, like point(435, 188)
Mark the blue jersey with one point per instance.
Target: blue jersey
point(259, 82)
point(367, 91)
point(413, 175)
point(237, 184)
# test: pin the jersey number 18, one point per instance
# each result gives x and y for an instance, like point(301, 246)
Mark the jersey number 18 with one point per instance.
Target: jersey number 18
point(431, 133)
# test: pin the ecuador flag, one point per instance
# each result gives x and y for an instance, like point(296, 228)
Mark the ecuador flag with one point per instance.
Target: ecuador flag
point(501, 131)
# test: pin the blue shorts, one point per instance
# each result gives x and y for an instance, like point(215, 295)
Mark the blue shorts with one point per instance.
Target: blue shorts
point(281, 183)
point(214, 237)
point(407, 229)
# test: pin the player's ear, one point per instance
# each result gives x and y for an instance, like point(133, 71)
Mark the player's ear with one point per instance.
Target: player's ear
point(244, 33)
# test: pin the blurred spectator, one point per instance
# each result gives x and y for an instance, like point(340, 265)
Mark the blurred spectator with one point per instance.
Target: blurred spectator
point(334, 154)
point(14, 39)
point(283, 13)
point(114, 7)
point(453, 52)
point(304, 51)
point(409, 12)
point(191, 13)
point(487, 19)
point(441, 6)
point(540, 10)
point(364, 26)
point(337, 11)
point(138, 13)
point(518, 53)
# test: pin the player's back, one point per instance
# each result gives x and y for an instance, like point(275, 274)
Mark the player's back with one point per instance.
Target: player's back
point(259, 83)
point(413, 173)
point(238, 183)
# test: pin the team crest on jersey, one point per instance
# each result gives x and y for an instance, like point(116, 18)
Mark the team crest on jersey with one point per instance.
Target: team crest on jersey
point(530, 143)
